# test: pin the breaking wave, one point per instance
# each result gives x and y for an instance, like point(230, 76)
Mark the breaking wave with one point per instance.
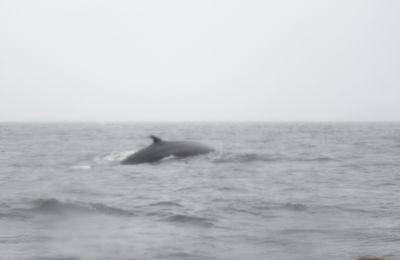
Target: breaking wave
point(115, 156)
point(100, 160)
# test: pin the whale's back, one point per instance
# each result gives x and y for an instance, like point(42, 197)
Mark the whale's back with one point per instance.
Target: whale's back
point(185, 149)
point(161, 149)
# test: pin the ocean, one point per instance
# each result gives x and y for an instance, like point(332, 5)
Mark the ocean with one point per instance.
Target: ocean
point(269, 191)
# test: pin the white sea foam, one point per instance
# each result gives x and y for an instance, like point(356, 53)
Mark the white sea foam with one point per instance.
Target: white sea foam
point(82, 166)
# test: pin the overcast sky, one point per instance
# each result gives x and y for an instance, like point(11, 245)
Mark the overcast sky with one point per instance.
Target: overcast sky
point(150, 60)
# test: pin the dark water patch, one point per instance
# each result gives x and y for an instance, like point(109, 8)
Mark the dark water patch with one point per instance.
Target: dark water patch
point(245, 157)
point(317, 159)
point(185, 189)
point(295, 206)
point(286, 206)
point(303, 231)
point(189, 220)
point(265, 214)
point(354, 167)
point(266, 210)
point(57, 207)
point(260, 157)
point(166, 204)
point(14, 216)
point(382, 164)
point(55, 258)
point(386, 184)
point(370, 257)
point(21, 239)
point(111, 210)
point(228, 189)
point(161, 209)
point(354, 210)
point(184, 255)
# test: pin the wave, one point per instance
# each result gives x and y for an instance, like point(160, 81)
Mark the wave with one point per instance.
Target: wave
point(19, 239)
point(57, 258)
point(254, 157)
point(319, 159)
point(58, 207)
point(284, 206)
point(294, 207)
point(268, 209)
point(191, 220)
point(184, 255)
point(243, 157)
point(166, 204)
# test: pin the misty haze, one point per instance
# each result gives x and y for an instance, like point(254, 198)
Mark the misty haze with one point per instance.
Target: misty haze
point(215, 130)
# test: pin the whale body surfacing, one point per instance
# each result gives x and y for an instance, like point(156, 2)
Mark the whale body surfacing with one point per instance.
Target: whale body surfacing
point(160, 149)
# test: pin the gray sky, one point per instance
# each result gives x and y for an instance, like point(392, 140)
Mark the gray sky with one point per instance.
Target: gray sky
point(312, 60)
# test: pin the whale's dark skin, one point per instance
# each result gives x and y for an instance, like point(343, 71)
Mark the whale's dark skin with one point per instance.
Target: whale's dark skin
point(160, 149)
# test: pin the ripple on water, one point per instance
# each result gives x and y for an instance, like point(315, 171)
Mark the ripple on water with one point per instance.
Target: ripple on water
point(166, 204)
point(189, 220)
point(57, 207)
point(260, 157)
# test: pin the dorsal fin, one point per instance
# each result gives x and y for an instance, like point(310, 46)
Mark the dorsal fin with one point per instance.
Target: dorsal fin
point(155, 139)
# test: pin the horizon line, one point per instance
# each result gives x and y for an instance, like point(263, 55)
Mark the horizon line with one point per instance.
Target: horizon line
point(189, 121)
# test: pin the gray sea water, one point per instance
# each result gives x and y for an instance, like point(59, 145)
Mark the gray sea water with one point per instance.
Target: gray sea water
point(270, 191)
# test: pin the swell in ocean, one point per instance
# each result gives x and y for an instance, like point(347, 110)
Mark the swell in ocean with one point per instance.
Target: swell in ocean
point(270, 191)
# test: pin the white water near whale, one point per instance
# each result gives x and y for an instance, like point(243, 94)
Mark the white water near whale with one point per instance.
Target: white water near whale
point(270, 191)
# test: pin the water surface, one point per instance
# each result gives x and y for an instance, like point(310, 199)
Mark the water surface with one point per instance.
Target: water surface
point(271, 191)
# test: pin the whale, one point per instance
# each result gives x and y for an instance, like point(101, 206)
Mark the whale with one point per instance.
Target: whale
point(161, 149)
